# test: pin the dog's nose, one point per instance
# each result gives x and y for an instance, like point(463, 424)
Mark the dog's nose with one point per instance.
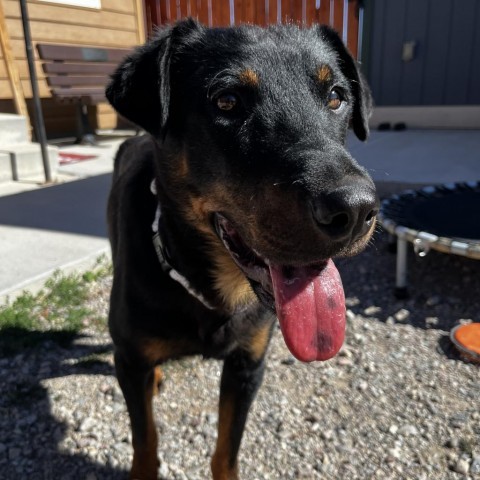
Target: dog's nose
point(346, 212)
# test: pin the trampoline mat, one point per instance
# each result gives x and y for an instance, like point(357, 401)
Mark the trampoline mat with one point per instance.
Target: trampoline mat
point(445, 213)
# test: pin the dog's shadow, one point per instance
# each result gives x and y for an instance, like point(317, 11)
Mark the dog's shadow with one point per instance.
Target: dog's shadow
point(31, 434)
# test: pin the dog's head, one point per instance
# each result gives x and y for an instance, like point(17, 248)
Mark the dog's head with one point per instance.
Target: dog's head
point(251, 125)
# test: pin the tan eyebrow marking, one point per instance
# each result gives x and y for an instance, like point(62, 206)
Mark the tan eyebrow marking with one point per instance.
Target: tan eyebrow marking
point(249, 77)
point(324, 73)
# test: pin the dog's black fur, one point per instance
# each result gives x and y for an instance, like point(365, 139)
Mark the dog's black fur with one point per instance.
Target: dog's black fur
point(247, 124)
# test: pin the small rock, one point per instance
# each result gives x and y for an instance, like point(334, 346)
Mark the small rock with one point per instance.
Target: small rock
point(432, 321)
point(462, 466)
point(475, 465)
point(432, 301)
point(452, 442)
point(328, 434)
point(458, 420)
point(163, 470)
point(372, 310)
point(393, 429)
point(212, 418)
point(402, 315)
point(408, 430)
point(87, 424)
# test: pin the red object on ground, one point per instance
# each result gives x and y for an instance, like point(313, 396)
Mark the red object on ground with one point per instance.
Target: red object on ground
point(467, 340)
point(66, 158)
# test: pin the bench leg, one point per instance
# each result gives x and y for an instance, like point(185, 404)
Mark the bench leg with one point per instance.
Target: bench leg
point(401, 277)
point(85, 132)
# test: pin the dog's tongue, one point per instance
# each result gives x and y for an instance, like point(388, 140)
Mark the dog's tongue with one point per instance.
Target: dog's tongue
point(311, 310)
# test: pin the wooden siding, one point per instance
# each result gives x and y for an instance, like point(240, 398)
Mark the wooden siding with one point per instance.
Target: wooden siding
point(340, 14)
point(117, 24)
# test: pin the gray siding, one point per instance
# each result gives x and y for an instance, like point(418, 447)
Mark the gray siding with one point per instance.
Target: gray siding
point(446, 66)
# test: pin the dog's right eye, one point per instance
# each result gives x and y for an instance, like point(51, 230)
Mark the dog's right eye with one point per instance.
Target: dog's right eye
point(226, 101)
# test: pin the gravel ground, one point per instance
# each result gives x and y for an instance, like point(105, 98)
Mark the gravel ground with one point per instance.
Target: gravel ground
point(396, 403)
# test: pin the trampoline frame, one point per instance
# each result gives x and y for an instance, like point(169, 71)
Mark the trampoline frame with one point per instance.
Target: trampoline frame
point(424, 241)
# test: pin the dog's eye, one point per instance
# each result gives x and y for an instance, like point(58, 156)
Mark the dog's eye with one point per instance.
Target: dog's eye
point(334, 100)
point(226, 101)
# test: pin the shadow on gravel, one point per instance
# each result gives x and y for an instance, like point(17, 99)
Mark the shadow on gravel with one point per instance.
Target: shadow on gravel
point(27, 358)
point(443, 288)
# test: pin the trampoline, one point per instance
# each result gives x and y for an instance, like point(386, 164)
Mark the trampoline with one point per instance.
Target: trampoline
point(444, 218)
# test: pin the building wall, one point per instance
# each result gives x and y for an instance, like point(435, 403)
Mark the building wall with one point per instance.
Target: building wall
point(118, 23)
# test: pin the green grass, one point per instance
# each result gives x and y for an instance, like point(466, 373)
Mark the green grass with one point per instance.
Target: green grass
point(57, 312)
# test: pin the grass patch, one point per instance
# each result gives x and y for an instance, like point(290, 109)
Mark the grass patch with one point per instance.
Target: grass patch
point(59, 308)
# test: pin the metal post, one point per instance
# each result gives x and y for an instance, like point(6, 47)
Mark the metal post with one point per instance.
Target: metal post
point(39, 124)
point(401, 280)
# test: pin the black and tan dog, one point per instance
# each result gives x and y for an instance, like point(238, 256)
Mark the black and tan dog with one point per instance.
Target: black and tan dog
point(231, 209)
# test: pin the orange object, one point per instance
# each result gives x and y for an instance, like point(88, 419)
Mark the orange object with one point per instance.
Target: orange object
point(467, 339)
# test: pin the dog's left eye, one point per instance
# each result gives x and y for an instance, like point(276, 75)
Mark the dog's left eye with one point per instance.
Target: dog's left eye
point(334, 100)
point(226, 101)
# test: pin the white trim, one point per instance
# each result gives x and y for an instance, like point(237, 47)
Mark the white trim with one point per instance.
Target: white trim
point(97, 4)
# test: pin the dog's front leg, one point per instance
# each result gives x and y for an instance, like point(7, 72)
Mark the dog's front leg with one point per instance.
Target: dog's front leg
point(241, 377)
point(138, 384)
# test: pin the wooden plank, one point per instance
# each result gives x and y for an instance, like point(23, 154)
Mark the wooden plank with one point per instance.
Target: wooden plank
point(80, 53)
point(296, 10)
point(338, 16)
point(124, 6)
point(74, 81)
point(323, 13)
point(10, 64)
point(61, 33)
point(202, 11)
point(27, 90)
point(221, 13)
point(353, 27)
point(260, 18)
point(79, 68)
point(56, 12)
point(273, 11)
point(140, 21)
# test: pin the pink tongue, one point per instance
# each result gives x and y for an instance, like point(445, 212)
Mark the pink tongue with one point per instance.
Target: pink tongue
point(311, 310)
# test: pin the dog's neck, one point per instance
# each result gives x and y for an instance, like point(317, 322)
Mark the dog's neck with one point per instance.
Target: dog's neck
point(163, 257)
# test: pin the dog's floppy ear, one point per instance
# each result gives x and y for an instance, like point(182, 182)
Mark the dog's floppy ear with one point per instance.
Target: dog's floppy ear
point(362, 107)
point(140, 87)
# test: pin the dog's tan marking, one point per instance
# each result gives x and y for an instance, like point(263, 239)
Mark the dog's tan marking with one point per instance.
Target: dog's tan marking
point(157, 379)
point(155, 350)
point(324, 74)
point(221, 464)
point(249, 77)
point(228, 279)
point(259, 342)
point(145, 462)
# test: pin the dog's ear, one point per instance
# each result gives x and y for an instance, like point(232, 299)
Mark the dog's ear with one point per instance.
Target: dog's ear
point(362, 107)
point(140, 87)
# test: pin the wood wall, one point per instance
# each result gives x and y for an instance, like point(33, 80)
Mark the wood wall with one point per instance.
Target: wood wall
point(119, 23)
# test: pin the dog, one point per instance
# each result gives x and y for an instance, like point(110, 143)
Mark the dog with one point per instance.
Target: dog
point(227, 213)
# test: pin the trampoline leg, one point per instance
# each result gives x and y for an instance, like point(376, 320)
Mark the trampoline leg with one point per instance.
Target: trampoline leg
point(391, 243)
point(401, 279)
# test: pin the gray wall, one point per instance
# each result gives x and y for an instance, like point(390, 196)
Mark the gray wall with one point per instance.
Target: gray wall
point(445, 69)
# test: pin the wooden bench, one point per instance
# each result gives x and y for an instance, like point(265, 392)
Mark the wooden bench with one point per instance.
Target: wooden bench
point(78, 75)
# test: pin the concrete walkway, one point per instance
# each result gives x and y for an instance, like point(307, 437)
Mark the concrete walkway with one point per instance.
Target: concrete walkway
point(63, 226)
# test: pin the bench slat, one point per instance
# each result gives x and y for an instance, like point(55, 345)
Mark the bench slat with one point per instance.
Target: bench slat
point(72, 81)
point(85, 96)
point(79, 68)
point(81, 54)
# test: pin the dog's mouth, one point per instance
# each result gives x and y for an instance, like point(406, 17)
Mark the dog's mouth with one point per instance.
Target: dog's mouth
point(309, 300)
